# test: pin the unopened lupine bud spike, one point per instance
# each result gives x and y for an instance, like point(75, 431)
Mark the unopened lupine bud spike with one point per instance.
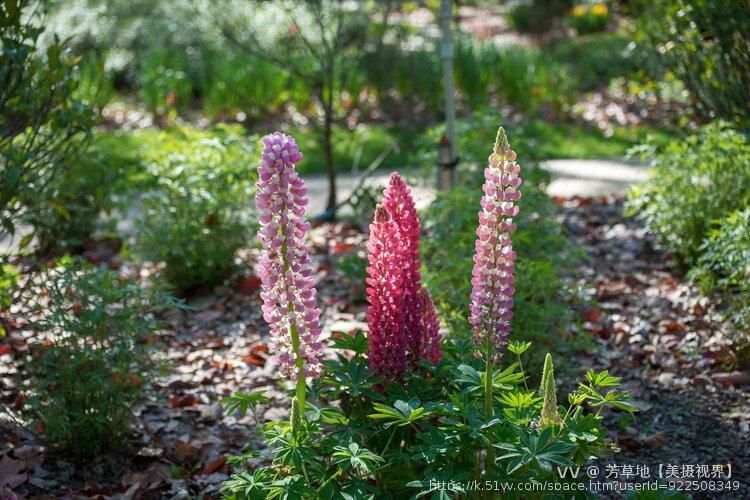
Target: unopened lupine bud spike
point(288, 288)
point(550, 414)
point(493, 275)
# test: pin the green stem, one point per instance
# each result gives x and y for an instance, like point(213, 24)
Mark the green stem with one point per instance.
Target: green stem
point(304, 472)
point(387, 444)
point(520, 365)
point(488, 410)
point(327, 481)
point(299, 363)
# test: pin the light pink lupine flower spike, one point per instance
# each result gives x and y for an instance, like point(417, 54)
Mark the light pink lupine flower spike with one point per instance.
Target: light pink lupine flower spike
point(493, 278)
point(288, 287)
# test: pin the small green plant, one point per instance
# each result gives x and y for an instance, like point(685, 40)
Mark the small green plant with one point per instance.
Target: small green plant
point(93, 363)
point(200, 210)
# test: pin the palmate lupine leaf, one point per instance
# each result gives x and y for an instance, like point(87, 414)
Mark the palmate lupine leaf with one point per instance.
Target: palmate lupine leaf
point(401, 414)
point(583, 427)
point(356, 342)
point(501, 379)
point(356, 378)
point(249, 485)
point(602, 379)
point(241, 401)
point(539, 448)
point(290, 488)
point(621, 400)
point(519, 399)
point(360, 459)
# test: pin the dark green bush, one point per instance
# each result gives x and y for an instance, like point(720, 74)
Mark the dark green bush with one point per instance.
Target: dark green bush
point(75, 200)
point(44, 123)
point(704, 43)
point(200, 210)
point(695, 184)
point(594, 60)
point(537, 16)
point(94, 364)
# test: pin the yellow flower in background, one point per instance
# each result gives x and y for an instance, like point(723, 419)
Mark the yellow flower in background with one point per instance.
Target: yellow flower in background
point(579, 10)
point(600, 9)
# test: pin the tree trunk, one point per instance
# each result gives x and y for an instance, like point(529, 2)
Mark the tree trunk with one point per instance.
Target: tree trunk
point(328, 149)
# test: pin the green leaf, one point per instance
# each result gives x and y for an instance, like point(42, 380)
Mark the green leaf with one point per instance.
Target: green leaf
point(517, 347)
point(602, 379)
point(401, 414)
point(241, 401)
point(361, 460)
point(357, 342)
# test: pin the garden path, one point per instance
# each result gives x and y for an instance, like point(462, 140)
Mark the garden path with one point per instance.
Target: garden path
point(570, 177)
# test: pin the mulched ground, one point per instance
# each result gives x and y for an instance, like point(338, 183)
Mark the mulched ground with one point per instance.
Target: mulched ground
point(654, 330)
point(669, 345)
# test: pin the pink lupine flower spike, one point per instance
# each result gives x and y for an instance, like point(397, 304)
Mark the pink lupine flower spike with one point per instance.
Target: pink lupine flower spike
point(288, 288)
point(493, 277)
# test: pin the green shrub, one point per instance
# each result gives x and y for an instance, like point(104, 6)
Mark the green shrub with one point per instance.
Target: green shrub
point(704, 43)
point(696, 182)
point(69, 213)
point(66, 212)
point(199, 211)
point(724, 264)
point(94, 365)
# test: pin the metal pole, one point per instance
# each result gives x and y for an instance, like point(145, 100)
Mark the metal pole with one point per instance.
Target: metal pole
point(446, 52)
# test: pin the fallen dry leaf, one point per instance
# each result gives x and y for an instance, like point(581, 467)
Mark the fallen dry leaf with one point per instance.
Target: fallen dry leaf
point(734, 378)
point(214, 466)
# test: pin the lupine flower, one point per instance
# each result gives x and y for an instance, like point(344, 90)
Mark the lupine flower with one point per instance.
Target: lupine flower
point(403, 324)
point(288, 288)
point(493, 276)
point(550, 414)
point(428, 327)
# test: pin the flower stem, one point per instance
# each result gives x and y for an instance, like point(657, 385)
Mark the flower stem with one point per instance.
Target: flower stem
point(520, 365)
point(488, 410)
point(327, 481)
point(299, 363)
